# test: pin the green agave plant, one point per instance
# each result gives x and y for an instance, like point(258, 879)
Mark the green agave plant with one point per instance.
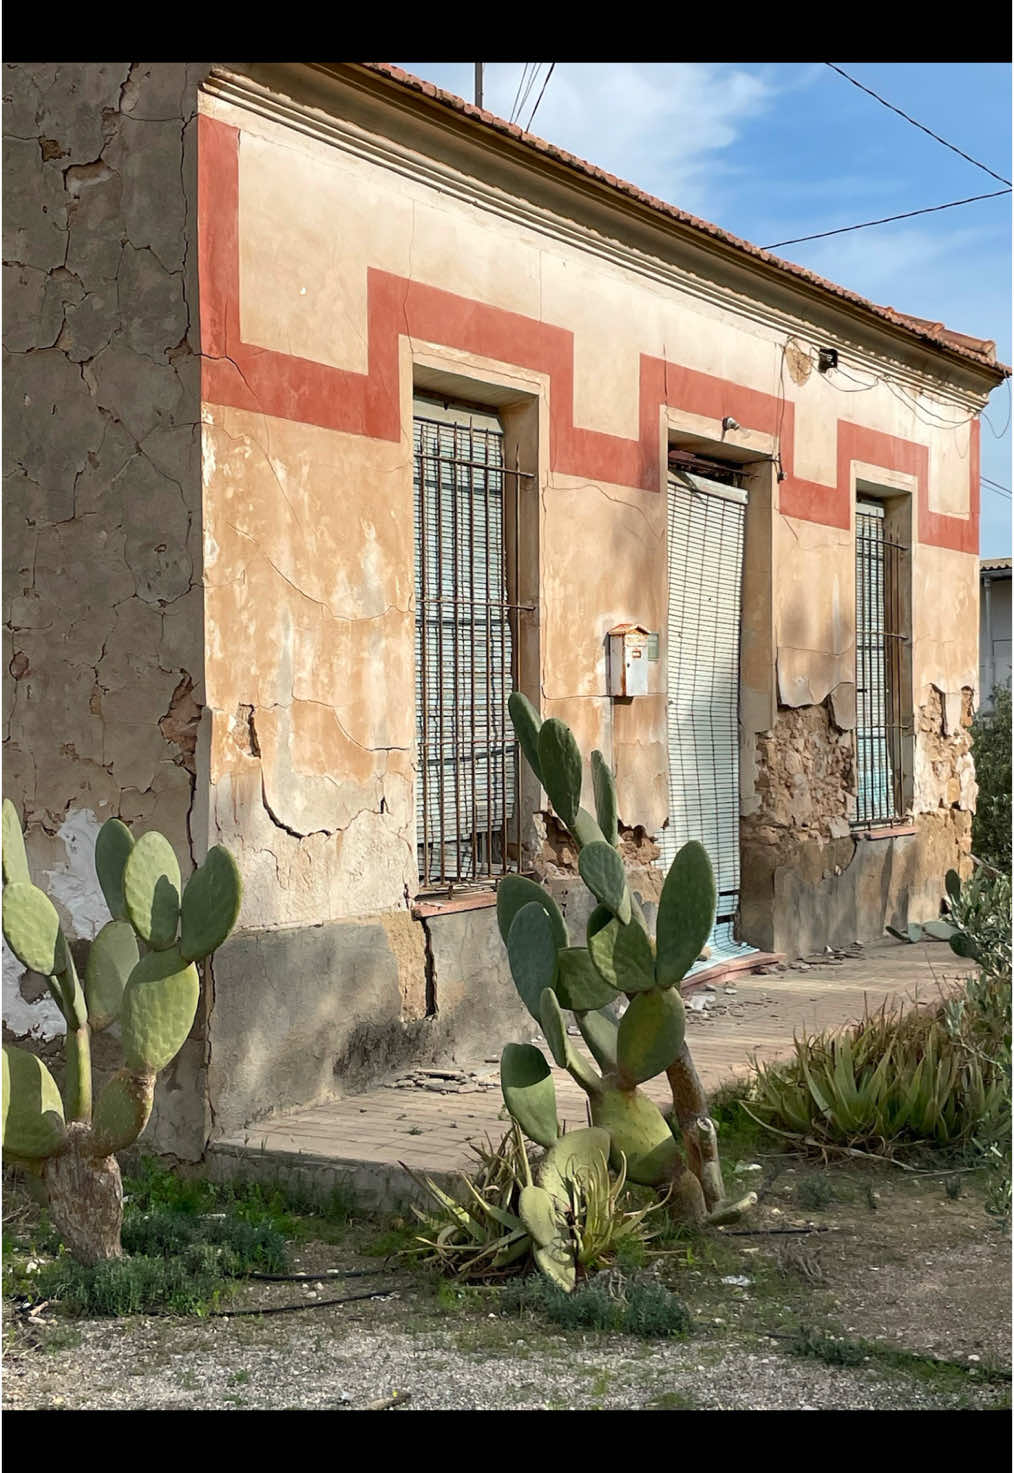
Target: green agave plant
point(565, 1212)
point(555, 974)
point(140, 974)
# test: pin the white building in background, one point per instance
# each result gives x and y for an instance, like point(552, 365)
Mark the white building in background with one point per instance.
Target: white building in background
point(994, 626)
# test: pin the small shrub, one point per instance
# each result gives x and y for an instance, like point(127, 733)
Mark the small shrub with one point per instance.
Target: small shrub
point(991, 751)
point(607, 1303)
point(815, 1192)
point(125, 1286)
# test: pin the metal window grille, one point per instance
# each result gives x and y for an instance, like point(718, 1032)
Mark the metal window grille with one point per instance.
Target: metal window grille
point(467, 526)
point(707, 521)
point(880, 640)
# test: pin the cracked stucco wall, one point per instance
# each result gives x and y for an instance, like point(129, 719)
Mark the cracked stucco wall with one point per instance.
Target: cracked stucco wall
point(103, 685)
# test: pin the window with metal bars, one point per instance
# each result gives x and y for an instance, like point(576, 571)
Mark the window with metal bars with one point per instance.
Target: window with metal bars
point(881, 725)
point(467, 532)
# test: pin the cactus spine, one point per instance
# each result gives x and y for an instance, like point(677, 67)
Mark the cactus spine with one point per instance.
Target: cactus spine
point(619, 958)
point(140, 974)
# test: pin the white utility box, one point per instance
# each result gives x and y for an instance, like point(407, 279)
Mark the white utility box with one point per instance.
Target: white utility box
point(632, 648)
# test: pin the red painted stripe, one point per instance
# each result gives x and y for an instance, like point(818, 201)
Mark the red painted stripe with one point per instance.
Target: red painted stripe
point(242, 376)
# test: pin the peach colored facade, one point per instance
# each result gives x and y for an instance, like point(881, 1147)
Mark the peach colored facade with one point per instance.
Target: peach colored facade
point(358, 241)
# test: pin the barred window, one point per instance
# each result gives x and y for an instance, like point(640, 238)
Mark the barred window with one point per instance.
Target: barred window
point(880, 640)
point(467, 512)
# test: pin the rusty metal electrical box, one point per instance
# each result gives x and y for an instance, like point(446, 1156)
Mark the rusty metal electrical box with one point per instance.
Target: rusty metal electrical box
point(632, 648)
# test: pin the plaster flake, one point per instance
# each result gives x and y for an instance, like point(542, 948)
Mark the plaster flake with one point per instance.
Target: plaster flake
point(39, 1020)
point(74, 884)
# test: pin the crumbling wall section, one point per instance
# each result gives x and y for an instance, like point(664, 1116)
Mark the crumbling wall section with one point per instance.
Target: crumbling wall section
point(103, 662)
point(944, 768)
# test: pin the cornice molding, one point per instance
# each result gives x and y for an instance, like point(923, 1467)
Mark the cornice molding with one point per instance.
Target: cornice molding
point(247, 92)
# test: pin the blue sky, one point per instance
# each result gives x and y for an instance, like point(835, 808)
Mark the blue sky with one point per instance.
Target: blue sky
point(772, 151)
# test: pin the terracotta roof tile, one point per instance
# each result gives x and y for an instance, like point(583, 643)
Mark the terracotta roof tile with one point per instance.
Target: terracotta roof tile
point(980, 351)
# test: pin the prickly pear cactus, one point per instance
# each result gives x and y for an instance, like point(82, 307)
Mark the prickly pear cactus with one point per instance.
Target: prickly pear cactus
point(140, 974)
point(554, 973)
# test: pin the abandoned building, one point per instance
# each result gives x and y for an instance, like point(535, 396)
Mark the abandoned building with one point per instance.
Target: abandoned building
point(334, 409)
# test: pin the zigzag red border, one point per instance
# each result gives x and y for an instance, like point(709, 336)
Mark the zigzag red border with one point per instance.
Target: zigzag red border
point(241, 376)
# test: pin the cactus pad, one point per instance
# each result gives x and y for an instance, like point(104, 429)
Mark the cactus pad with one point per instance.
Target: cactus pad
point(578, 985)
point(531, 951)
point(15, 860)
point(602, 870)
point(574, 1154)
point(537, 1211)
point(151, 890)
point(32, 929)
point(650, 1034)
point(113, 844)
point(638, 1130)
point(560, 760)
point(604, 789)
point(686, 913)
point(529, 1092)
point(210, 904)
point(527, 724)
point(600, 1034)
point(157, 1012)
point(622, 954)
point(122, 1110)
point(554, 1029)
point(33, 1124)
point(112, 957)
point(513, 892)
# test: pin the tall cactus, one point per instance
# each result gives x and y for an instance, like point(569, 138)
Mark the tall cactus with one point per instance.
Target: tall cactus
point(619, 958)
point(140, 974)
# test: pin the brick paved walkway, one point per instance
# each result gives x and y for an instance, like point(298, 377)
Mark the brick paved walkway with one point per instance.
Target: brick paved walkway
point(365, 1138)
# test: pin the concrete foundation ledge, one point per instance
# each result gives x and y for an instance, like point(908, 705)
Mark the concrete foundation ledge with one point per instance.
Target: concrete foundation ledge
point(376, 1185)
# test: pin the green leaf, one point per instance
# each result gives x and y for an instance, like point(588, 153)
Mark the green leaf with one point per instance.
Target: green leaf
point(554, 1029)
point(515, 891)
point(33, 1124)
point(604, 789)
point(158, 1008)
point(32, 928)
point(211, 904)
point(686, 914)
point(151, 890)
point(531, 952)
point(112, 957)
point(527, 724)
point(579, 986)
point(15, 859)
point(650, 1034)
point(529, 1092)
point(112, 850)
point(560, 760)
point(622, 954)
point(603, 872)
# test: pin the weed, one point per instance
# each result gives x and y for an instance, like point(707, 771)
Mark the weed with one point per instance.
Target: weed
point(122, 1286)
point(839, 1350)
point(646, 1310)
point(953, 1187)
point(237, 1245)
point(238, 1378)
point(672, 1401)
point(815, 1193)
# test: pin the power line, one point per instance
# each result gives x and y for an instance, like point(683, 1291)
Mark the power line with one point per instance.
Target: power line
point(1004, 495)
point(535, 65)
point(517, 95)
point(884, 103)
point(545, 84)
point(844, 229)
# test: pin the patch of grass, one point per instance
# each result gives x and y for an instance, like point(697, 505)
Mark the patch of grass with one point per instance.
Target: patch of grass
point(124, 1286)
point(672, 1401)
point(240, 1246)
point(815, 1193)
point(394, 1238)
point(647, 1310)
point(841, 1350)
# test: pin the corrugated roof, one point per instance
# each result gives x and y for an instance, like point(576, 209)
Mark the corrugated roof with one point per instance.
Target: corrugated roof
point(979, 351)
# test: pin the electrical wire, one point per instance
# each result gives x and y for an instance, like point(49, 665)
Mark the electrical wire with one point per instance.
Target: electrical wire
point(883, 101)
point(517, 94)
point(545, 84)
point(887, 219)
point(535, 65)
point(1003, 495)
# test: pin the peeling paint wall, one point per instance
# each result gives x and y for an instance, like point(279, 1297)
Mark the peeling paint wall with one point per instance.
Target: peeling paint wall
point(209, 593)
point(103, 659)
